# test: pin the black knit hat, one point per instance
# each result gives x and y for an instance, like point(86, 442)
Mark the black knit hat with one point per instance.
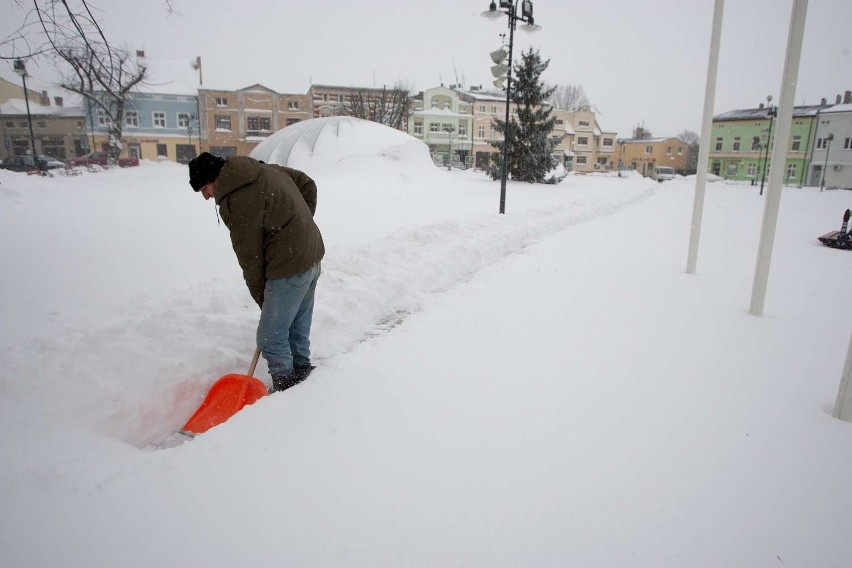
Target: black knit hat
point(204, 169)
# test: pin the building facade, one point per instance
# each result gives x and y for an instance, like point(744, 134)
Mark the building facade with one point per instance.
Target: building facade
point(157, 126)
point(235, 122)
point(443, 118)
point(584, 146)
point(58, 131)
point(644, 154)
point(831, 163)
point(741, 144)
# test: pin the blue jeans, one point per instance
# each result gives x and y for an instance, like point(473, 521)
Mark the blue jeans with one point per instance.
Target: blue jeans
point(283, 334)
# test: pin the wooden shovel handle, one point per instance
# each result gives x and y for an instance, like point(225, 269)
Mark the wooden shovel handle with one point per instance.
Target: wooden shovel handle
point(253, 362)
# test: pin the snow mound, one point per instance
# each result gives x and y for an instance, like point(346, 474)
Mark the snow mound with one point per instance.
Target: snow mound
point(324, 144)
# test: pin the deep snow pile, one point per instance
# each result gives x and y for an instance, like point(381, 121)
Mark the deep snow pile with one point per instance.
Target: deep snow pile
point(543, 387)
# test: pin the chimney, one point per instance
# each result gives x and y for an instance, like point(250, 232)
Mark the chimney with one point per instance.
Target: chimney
point(58, 101)
point(760, 107)
point(45, 100)
point(847, 97)
point(823, 101)
point(837, 100)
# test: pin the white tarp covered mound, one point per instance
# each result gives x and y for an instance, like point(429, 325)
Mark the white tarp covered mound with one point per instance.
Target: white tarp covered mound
point(325, 144)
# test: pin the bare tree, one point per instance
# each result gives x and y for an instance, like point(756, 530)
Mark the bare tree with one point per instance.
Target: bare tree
point(391, 107)
point(103, 74)
point(693, 140)
point(569, 97)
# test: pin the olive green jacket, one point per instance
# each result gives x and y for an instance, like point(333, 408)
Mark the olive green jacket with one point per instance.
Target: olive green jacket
point(269, 211)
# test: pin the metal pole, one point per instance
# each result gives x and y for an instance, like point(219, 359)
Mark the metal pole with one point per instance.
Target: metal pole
point(504, 168)
point(772, 113)
point(828, 139)
point(706, 126)
point(30, 122)
point(843, 402)
point(776, 172)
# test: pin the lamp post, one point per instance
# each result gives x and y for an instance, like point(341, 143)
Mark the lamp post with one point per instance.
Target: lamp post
point(21, 70)
point(827, 143)
point(510, 8)
point(449, 129)
point(772, 111)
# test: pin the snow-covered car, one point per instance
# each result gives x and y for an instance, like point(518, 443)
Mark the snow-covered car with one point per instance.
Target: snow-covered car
point(26, 163)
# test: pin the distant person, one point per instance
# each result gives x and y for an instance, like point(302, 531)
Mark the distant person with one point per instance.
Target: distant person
point(269, 211)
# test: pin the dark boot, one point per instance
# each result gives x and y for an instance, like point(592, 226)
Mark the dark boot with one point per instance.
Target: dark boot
point(302, 372)
point(283, 382)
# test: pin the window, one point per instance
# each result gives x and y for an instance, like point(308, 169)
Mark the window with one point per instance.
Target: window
point(481, 108)
point(581, 159)
point(482, 132)
point(159, 120)
point(582, 141)
point(736, 143)
point(223, 122)
point(131, 118)
point(258, 123)
point(494, 109)
point(434, 127)
point(607, 142)
point(53, 146)
point(293, 105)
point(434, 103)
point(797, 143)
point(493, 134)
point(292, 121)
point(732, 169)
point(221, 102)
point(103, 118)
point(418, 128)
point(719, 144)
point(791, 171)
point(847, 145)
point(462, 129)
point(162, 150)
point(752, 170)
point(668, 150)
point(183, 119)
point(680, 150)
point(649, 149)
point(41, 124)
point(10, 124)
point(584, 124)
point(755, 143)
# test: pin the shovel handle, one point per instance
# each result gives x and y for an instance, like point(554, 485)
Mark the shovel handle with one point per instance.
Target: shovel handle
point(253, 362)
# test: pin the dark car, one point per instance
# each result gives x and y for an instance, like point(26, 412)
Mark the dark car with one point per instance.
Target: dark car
point(102, 159)
point(26, 163)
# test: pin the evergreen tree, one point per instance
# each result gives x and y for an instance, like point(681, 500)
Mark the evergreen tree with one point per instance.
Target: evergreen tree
point(529, 135)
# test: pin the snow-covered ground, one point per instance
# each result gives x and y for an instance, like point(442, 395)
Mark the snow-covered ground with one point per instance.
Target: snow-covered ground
point(543, 388)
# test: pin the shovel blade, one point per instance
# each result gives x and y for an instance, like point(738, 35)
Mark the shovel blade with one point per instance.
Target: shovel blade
point(225, 398)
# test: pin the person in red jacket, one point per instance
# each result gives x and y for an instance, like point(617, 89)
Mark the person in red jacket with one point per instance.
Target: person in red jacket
point(269, 211)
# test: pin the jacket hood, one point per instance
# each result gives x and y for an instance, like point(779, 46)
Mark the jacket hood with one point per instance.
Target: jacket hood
point(237, 172)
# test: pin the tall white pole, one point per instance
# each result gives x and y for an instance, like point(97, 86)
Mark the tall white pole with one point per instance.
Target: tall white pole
point(706, 127)
point(779, 155)
point(843, 403)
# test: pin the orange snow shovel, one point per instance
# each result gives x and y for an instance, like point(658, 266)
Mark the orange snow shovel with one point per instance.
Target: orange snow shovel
point(225, 398)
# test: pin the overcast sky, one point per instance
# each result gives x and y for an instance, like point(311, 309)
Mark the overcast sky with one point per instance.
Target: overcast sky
point(639, 61)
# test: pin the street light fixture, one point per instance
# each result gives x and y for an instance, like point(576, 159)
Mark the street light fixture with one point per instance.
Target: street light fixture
point(510, 8)
point(827, 143)
point(21, 70)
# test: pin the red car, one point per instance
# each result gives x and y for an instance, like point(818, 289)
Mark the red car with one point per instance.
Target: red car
point(103, 159)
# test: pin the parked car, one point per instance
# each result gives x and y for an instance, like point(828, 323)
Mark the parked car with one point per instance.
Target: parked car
point(26, 163)
point(663, 173)
point(102, 159)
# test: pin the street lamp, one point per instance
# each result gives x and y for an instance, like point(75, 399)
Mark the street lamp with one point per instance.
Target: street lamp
point(21, 70)
point(449, 129)
point(510, 8)
point(773, 112)
point(827, 143)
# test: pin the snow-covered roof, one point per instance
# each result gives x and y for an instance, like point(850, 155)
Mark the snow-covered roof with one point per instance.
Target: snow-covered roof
point(486, 95)
point(19, 107)
point(763, 113)
point(838, 108)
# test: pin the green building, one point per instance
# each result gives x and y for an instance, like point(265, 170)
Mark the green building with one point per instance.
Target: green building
point(741, 143)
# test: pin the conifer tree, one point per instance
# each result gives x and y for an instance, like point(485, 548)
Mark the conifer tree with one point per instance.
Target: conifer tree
point(529, 132)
